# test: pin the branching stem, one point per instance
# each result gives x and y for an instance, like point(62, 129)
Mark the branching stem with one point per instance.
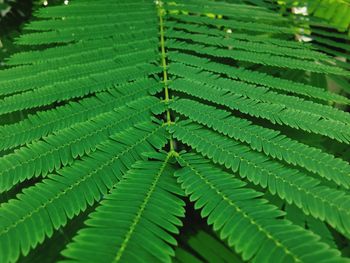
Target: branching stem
point(161, 13)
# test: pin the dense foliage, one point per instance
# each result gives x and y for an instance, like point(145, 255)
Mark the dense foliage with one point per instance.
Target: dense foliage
point(185, 131)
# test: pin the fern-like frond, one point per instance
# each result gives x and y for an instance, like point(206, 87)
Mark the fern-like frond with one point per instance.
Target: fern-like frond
point(304, 49)
point(45, 207)
point(59, 34)
point(258, 78)
point(105, 111)
point(303, 107)
point(82, 87)
point(290, 184)
point(93, 50)
point(251, 225)
point(257, 58)
point(271, 142)
point(256, 107)
point(39, 125)
point(252, 46)
point(232, 10)
point(65, 73)
point(237, 24)
point(61, 148)
point(140, 214)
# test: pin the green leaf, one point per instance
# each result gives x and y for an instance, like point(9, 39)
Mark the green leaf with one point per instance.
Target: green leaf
point(137, 219)
point(45, 207)
point(251, 225)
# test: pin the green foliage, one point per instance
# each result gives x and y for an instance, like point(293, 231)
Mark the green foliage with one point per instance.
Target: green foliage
point(117, 117)
point(336, 13)
point(138, 215)
point(249, 223)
